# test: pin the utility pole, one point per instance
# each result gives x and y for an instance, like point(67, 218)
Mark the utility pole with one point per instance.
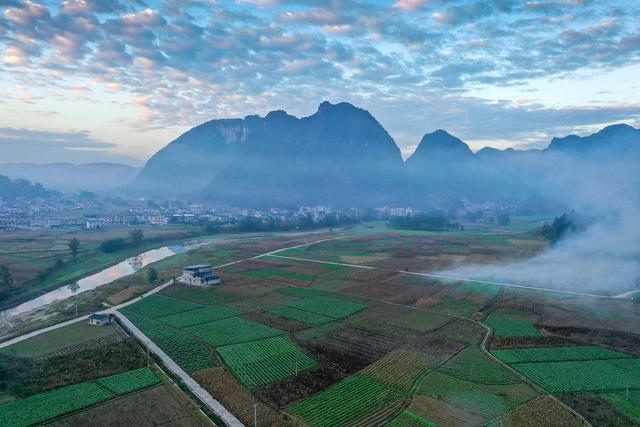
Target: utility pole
point(255, 415)
point(76, 308)
point(147, 356)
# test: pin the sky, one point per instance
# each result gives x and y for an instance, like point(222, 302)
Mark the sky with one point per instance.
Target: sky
point(116, 80)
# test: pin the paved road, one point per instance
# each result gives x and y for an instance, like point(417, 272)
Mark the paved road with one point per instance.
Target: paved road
point(440, 276)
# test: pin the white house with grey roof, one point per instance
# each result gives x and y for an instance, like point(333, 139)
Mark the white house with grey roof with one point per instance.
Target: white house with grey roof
point(199, 275)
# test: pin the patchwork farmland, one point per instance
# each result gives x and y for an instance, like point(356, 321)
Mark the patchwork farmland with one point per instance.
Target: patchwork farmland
point(314, 342)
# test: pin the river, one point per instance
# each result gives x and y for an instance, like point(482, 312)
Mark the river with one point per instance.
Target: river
point(108, 275)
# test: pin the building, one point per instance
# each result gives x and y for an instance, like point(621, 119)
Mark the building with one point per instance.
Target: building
point(199, 275)
point(99, 319)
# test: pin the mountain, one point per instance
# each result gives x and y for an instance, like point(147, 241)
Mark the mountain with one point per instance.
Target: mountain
point(68, 177)
point(612, 141)
point(438, 147)
point(339, 156)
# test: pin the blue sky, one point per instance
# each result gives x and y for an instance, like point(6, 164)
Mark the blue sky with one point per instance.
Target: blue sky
point(114, 80)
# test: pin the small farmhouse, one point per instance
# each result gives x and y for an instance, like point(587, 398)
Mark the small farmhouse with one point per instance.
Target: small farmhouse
point(199, 275)
point(99, 319)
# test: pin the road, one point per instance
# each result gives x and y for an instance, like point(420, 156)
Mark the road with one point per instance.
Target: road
point(195, 388)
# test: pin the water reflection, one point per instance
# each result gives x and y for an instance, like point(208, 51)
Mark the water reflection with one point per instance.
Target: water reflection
point(108, 275)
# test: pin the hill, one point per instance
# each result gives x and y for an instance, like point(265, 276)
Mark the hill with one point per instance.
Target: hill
point(22, 188)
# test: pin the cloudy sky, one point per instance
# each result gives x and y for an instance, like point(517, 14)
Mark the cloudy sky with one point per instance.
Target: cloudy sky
point(115, 80)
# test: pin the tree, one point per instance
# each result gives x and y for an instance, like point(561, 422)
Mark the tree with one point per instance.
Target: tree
point(74, 245)
point(152, 275)
point(5, 276)
point(136, 237)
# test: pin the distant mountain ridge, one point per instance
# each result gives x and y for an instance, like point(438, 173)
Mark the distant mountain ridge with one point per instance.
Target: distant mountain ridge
point(342, 156)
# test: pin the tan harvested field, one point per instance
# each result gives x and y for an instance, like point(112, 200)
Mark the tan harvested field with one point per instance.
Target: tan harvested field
point(161, 405)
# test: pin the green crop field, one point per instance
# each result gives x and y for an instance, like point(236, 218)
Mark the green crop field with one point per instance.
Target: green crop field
point(583, 376)
point(318, 331)
point(44, 406)
point(400, 368)
point(58, 339)
point(504, 327)
point(557, 354)
point(329, 307)
point(232, 331)
point(486, 401)
point(302, 292)
point(201, 296)
point(475, 366)
point(344, 402)
point(420, 321)
point(129, 381)
point(409, 419)
point(275, 272)
point(300, 315)
point(262, 362)
point(185, 350)
point(158, 306)
point(199, 315)
point(458, 308)
point(479, 288)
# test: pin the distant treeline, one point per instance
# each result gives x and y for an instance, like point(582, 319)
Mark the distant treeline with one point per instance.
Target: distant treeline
point(302, 223)
point(136, 238)
point(13, 189)
point(562, 225)
point(431, 221)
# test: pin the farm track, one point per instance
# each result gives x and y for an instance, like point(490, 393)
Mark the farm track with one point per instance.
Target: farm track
point(87, 345)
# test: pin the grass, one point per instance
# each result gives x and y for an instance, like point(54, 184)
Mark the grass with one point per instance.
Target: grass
point(300, 315)
point(57, 340)
point(185, 350)
point(263, 362)
point(201, 296)
point(557, 354)
point(129, 381)
point(329, 307)
point(420, 321)
point(344, 402)
point(473, 365)
point(504, 327)
point(274, 272)
point(199, 315)
point(583, 376)
point(232, 331)
point(159, 306)
point(461, 308)
point(479, 288)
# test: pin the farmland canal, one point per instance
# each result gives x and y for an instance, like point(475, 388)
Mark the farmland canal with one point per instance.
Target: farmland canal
point(108, 275)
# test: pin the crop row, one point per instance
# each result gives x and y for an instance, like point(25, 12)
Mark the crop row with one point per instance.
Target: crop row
point(300, 315)
point(409, 419)
point(262, 362)
point(583, 376)
point(473, 365)
point(344, 402)
point(326, 306)
point(158, 306)
point(274, 272)
point(302, 292)
point(198, 316)
point(129, 381)
point(185, 350)
point(504, 327)
point(201, 296)
point(45, 406)
point(232, 331)
point(399, 368)
point(557, 354)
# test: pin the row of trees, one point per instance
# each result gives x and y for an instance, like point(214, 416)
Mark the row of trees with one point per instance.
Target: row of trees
point(432, 221)
point(302, 223)
point(563, 225)
point(136, 238)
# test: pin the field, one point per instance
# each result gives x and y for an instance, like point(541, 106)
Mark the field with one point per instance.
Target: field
point(258, 363)
point(198, 316)
point(300, 315)
point(232, 331)
point(318, 331)
point(302, 292)
point(473, 365)
point(186, 351)
point(44, 406)
point(159, 306)
point(273, 273)
point(543, 411)
point(479, 288)
point(421, 320)
point(400, 368)
point(511, 327)
point(200, 296)
point(129, 381)
point(409, 419)
point(557, 354)
point(329, 307)
point(344, 402)
point(582, 376)
point(58, 339)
